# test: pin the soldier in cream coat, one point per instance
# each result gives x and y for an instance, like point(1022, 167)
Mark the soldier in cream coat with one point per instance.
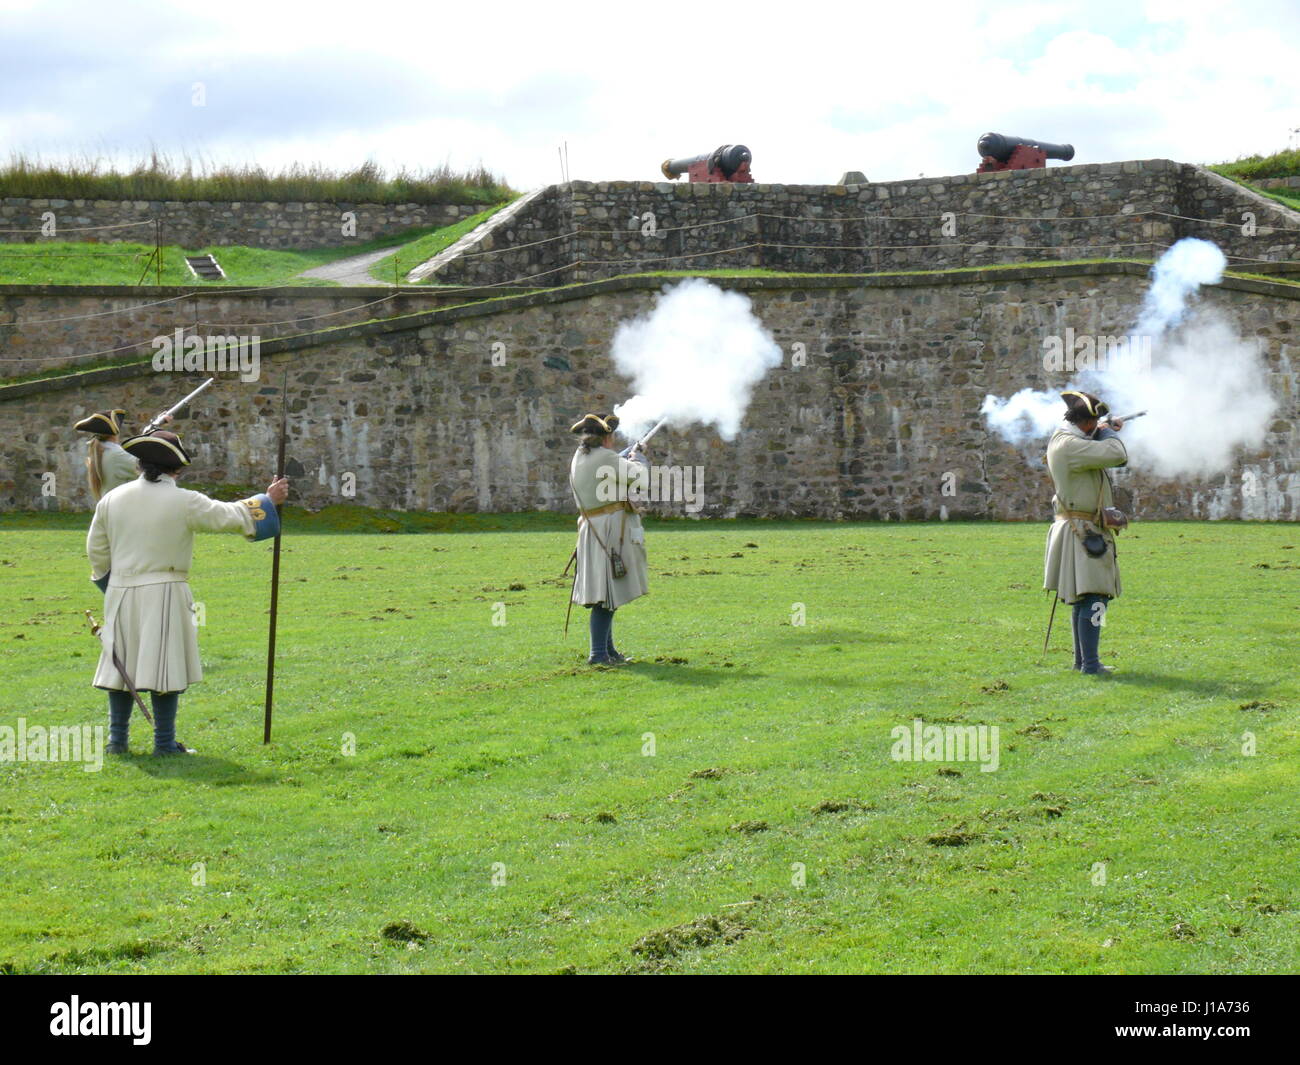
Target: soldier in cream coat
point(107, 464)
point(140, 546)
point(610, 534)
point(1078, 455)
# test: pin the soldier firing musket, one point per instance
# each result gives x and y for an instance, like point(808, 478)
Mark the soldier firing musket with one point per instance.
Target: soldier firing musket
point(611, 557)
point(1080, 564)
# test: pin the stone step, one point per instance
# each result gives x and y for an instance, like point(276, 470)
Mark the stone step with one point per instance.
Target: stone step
point(205, 267)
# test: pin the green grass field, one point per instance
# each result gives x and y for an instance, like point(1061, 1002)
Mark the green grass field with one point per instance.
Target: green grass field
point(79, 263)
point(392, 269)
point(491, 752)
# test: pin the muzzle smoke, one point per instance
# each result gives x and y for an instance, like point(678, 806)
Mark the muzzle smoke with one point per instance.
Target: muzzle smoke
point(1206, 387)
point(694, 359)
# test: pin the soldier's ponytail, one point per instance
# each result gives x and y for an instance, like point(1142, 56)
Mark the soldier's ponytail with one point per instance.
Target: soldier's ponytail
point(95, 465)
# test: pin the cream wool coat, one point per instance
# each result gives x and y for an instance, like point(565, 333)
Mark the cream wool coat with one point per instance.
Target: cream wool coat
point(116, 467)
point(599, 478)
point(143, 536)
point(1077, 464)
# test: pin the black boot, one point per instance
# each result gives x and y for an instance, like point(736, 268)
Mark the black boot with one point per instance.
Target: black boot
point(1076, 612)
point(1090, 622)
point(165, 706)
point(120, 705)
point(599, 624)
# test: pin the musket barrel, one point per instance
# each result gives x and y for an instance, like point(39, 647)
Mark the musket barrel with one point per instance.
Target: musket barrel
point(658, 425)
point(178, 406)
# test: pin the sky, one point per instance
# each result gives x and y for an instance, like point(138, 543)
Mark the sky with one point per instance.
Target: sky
point(814, 89)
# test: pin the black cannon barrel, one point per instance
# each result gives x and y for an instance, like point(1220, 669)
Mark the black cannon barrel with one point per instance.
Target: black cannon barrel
point(1000, 146)
point(729, 158)
point(673, 168)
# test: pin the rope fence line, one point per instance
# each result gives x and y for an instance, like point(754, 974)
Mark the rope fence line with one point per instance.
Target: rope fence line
point(1263, 230)
point(607, 262)
point(137, 307)
point(194, 329)
point(1260, 227)
point(829, 247)
point(330, 314)
point(302, 319)
point(92, 354)
point(953, 244)
point(864, 219)
point(861, 219)
point(206, 292)
point(69, 255)
point(1109, 216)
point(83, 229)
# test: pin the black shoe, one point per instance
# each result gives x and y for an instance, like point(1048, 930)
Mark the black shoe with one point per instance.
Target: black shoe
point(617, 659)
point(176, 748)
point(1100, 671)
point(117, 748)
point(600, 660)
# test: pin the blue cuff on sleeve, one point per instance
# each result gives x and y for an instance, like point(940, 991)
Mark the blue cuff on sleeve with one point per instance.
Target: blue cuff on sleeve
point(266, 519)
point(1104, 432)
point(101, 583)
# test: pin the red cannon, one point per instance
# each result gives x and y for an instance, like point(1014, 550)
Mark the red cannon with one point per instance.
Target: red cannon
point(730, 163)
point(1000, 152)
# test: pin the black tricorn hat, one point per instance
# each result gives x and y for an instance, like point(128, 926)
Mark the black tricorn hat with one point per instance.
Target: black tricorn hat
point(1083, 406)
point(105, 424)
point(596, 424)
point(158, 449)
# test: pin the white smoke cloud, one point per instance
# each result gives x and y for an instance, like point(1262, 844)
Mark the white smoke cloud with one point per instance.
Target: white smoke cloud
point(1205, 387)
point(1178, 273)
point(694, 359)
point(1027, 416)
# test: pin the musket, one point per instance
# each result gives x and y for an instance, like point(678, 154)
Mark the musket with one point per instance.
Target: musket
point(1125, 418)
point(275, 570)
point(638, 445)
point(171, 411)
point(121, 669)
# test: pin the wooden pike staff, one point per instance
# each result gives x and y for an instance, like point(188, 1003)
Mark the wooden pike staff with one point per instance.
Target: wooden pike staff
point(275, 570)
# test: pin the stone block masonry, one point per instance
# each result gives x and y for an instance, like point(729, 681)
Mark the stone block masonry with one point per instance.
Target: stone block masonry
point(196, 224)
point(467, 408)
point(583, 231)
point(44, 328)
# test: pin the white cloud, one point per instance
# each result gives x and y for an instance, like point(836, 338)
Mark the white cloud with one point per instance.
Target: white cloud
point(813, 90)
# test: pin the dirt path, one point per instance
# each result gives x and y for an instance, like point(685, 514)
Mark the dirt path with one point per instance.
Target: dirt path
point(354, 270)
